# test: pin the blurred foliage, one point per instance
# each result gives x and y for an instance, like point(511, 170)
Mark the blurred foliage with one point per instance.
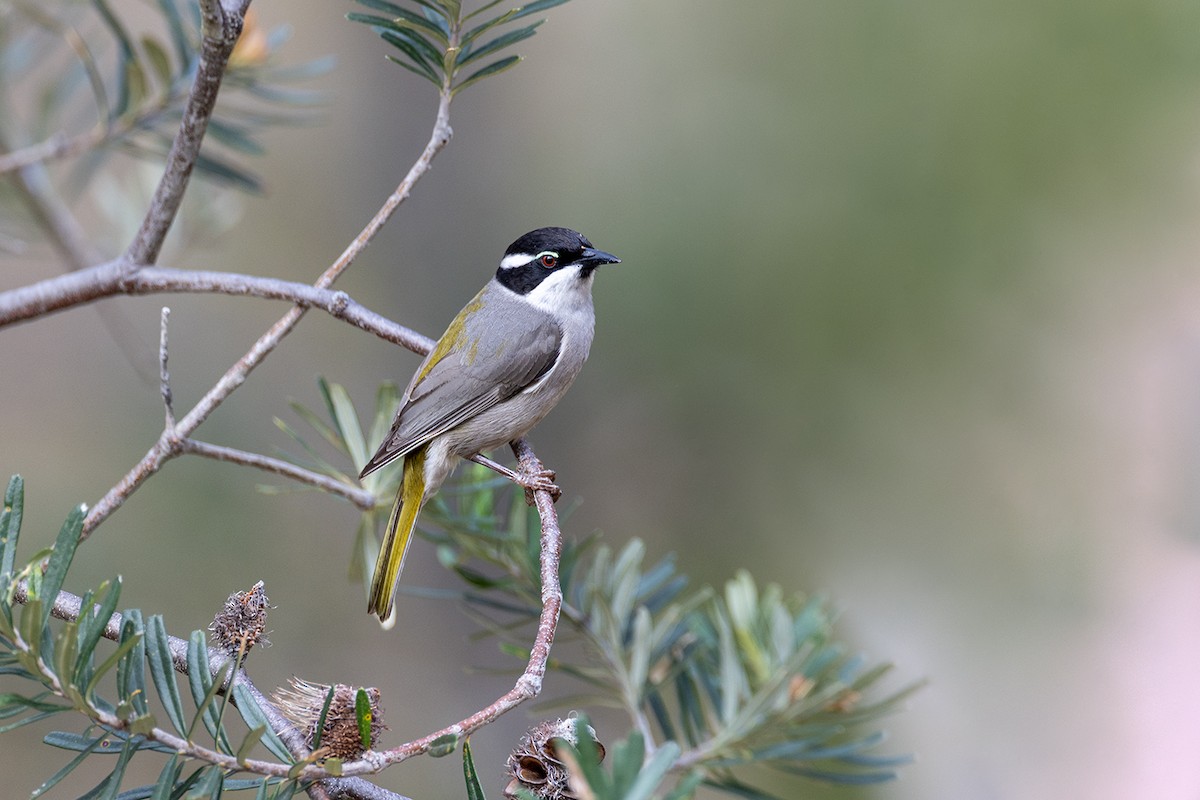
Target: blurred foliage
point(437, 40)
point(734, 682)
point(82, 79)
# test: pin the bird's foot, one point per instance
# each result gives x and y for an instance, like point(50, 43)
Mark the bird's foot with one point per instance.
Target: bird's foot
point(540, 480)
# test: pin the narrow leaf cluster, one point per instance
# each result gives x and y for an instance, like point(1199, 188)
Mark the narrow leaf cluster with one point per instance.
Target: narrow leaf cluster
point(111, 686)
point(731, 683)
point(450, 49)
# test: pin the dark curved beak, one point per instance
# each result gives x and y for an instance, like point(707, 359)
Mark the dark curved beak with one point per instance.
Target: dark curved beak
point(593, 258)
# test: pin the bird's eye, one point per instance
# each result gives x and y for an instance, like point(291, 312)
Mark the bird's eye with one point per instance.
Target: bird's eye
point(548, 260)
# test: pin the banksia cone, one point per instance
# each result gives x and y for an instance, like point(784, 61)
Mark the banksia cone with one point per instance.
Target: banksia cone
point(242, 623)
point(341, 736)
point(535, 764)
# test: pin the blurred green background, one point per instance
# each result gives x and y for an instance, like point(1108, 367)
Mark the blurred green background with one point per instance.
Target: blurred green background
point(909, 316)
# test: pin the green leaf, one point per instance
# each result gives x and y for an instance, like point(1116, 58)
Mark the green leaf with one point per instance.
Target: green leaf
point(205, 687)
point(60, 560)
point(31, 719)
point(170, 771)
point(402, 21)
point(285, 790)
point(687, 787)
point(362, 713)
point(419, 63)
point(583, 758)
point(13, 700)
point(326, 432)
point(111, 786)
point(627, 759)
point(639, 652)
point(122, 650)
point(110, 746)
point(474, 790)
point(131, 673)
point(235, 137)
point(92, 622)
point(653, 773)
point(347, 422)
point(66, 646)
point(470, 36)
point(444, 745)
point(536, 7)
point(29, 625)
point(387, 402)
point(162, 671)
point(499, 43)
point(10, 526)
point(208, 785)
point(127, 56)
point(183, 49)
point(319, 730)
point(318, 462)
point(139, 88)
point(495, 68)
point(254, 717)
point(482, 9)
point(250, 742)
point(441, 17)
point(224, 172)
point(54, 779)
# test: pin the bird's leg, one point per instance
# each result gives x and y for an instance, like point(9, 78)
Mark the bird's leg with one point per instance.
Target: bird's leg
point(542, 480)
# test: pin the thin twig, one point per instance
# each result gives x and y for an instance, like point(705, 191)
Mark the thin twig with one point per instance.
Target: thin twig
point(164, 377)
point(361, 498)
point(220, 28)
point(52, 215)
point(57, 146)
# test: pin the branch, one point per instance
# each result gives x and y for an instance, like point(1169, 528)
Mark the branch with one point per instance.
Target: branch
point(221, 24)
point(361, 498)
point(529, 684)
point(118, 277)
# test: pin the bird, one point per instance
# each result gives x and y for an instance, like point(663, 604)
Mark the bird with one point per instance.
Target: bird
point(503, 363)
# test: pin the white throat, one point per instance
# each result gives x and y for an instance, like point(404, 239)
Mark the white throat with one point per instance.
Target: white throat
point(564, 294)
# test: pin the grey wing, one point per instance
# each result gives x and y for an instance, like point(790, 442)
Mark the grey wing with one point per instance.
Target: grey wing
point(489, 368)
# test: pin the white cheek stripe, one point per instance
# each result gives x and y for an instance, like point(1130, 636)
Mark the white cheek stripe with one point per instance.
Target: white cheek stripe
point(516, 260)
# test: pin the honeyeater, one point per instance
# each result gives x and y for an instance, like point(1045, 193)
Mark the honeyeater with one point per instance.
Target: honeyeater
point(502, 364)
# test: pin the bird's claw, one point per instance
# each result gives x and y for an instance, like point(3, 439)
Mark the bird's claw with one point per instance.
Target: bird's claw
point(539, 481)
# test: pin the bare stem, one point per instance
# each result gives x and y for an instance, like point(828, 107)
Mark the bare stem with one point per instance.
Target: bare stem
point(164, 377)
point(221, 25)
point(361, 498)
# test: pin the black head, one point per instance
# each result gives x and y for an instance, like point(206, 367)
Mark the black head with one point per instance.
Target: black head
point(538, 254)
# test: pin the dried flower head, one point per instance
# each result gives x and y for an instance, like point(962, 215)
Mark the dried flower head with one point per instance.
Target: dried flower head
point(242, 623)
point(535, 764)
point(302, 702)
